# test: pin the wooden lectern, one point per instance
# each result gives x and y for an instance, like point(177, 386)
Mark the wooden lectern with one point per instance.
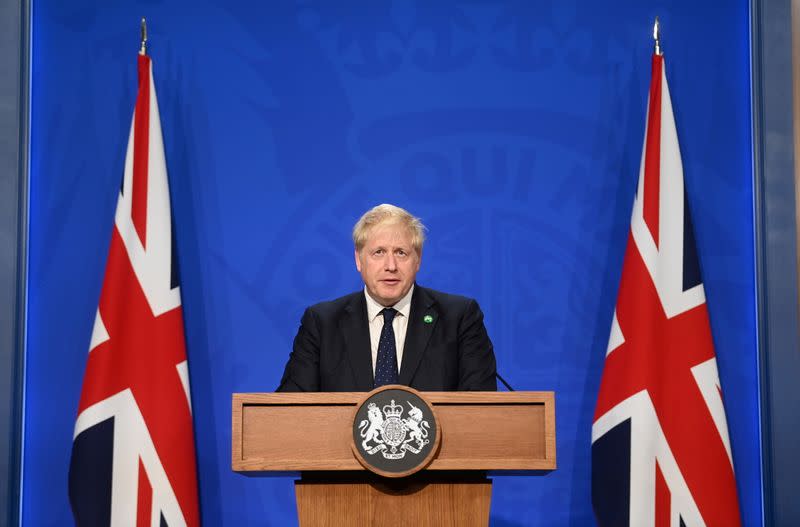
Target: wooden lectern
point(312, 433)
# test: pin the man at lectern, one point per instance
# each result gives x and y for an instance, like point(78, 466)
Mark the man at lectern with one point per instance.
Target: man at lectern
point(394, 331)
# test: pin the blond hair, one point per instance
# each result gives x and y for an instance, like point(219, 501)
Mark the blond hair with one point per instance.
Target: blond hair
point(386, 214)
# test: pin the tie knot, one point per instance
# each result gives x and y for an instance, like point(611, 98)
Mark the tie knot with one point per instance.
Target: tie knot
point(388, 315)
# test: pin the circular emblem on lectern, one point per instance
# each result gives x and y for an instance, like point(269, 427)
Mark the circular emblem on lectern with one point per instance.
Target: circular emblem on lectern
point(395, 431)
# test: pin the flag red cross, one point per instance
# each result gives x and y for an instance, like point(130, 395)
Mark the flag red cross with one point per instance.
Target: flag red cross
point(142, 354)
point(657, 356)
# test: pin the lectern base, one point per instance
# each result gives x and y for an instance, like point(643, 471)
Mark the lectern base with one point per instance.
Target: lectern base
point(424, 500)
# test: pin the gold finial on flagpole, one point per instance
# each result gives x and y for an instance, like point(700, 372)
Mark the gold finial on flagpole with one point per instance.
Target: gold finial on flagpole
point(143, 48)
point(657, 36)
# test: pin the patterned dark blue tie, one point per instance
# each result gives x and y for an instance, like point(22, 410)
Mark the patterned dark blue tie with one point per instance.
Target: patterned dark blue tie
point(386, 363)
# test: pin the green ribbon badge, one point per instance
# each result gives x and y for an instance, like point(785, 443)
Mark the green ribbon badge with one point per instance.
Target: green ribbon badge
point(428, 319)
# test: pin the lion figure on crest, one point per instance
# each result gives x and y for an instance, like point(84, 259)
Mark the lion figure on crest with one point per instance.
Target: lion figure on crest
point(373, 431)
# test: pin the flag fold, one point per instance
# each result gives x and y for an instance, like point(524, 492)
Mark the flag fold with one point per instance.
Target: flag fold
point(133, 453)
point(660, 449)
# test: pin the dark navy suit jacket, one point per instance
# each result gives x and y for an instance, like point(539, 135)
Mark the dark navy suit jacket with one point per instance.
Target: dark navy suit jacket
point(332, 350)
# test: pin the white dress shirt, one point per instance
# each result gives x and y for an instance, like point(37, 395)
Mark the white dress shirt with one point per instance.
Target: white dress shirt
point(399, 325)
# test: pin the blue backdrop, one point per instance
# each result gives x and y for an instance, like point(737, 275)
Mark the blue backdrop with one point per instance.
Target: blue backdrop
point(513, 128)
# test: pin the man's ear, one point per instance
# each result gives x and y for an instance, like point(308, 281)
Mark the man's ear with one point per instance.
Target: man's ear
point(358, 260)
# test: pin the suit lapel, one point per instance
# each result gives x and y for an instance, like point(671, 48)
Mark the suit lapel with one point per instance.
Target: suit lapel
point(422, 318)
point(356, 337)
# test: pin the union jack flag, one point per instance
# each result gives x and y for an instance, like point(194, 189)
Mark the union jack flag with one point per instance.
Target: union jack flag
point(660, 449)
point(133, 454)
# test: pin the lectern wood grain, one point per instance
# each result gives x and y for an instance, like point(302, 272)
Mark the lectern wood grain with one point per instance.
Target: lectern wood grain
point(311, 431)
point(433, 504)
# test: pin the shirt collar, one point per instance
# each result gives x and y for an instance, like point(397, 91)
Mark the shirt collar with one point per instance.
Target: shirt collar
point(403, 306)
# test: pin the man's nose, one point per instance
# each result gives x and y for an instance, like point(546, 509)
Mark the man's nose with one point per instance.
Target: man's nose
point(390, 263)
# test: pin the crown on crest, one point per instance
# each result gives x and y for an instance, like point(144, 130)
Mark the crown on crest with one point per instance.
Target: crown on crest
point(393, 410)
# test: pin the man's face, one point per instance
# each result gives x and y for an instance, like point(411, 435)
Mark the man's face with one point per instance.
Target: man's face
point(388, 263)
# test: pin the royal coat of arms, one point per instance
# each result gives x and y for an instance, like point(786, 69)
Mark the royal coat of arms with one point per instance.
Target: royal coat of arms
point(386, 431)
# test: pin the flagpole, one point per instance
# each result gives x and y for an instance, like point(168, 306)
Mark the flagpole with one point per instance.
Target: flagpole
point(656, 36)
point(143, 38)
